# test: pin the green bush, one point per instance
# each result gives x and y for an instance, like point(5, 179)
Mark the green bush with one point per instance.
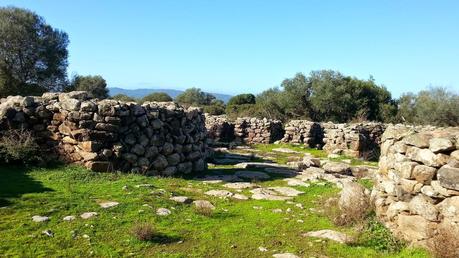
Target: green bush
point(156, 97)
point(123, 97)
point(19, 146)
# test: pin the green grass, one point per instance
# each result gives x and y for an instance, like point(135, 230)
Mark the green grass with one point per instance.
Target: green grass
point(235, 229)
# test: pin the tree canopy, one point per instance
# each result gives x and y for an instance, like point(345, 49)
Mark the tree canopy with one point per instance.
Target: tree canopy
point(157, 96)
point(94, 85)
point(194, 97)
point(33, 55)
point(123, 97)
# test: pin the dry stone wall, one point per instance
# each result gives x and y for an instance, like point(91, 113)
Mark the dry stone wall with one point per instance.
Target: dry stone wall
point(417, 188)
point(361, 140)
point(219, 129)
point(305, 132)
point(254, 130)
point(153, 138)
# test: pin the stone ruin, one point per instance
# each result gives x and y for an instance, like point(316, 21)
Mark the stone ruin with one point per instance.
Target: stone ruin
point(219, 129)
point(304, 132)
point(104, 135)
point(417, 187)
point(253, 130)
point(360, 140)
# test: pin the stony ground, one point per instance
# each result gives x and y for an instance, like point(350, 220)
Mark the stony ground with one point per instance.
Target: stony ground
point(260, 209)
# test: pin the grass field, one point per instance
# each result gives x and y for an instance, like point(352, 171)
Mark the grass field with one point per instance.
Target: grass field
point(234, 229)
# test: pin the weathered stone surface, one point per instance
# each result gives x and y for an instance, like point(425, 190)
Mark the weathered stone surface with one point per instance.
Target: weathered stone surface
point(330, 234)
point(108, 204)
point(40, 218)
point(424, 174)
point(285, 255)
point(441, 145)
point(337, 167)
point(286, 191)
point(240, 185)
point(203, 204)
point(88, 215)
point(163, 212)
point(181, 199)
point(449, 177)
point(353, 194)
point(396, 208)
point(266, 194)
point(424, 207)
point(252, 175)
point(413, 227)
point(219, 193)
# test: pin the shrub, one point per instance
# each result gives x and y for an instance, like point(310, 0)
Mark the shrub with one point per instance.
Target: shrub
point(375, 235)
point(156, 97)
point(123, 97)
point(445, 243)
point(349, 214)
point(19, 146)
point(143, 232)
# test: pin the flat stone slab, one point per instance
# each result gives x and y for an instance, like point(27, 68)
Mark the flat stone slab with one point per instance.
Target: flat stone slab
point(283, 171)
point(241, 185)
point(163, 212)
point(331, 235)
point(247, 165)
point(252, 175)
point(181, 199)
point(108, 204)
point(239, 197)
point(203, 204)
point(285, 150)
point(144, 185)
point(337, 167)
point(266, 194)
point(216, 179)
point(296, 182)
point(69, 218)
point(286, 191)
point(37, 218)
point(219, 193)
point(88, 215)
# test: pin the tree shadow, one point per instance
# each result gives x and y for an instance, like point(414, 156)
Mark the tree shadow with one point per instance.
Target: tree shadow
point(160, 238)
point(15, 181)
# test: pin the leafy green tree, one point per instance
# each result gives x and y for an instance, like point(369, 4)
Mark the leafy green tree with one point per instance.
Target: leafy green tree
point(241, 99)
point(157, 97)
point(33, 55)
point(194, 97)
point(123, 97)
point(94, 85)
point(271, 104)
point(216, 107)
point(435, 106)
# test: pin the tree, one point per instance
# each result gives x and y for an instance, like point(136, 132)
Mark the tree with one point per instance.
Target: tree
point(33, 55)
point(194, 97)
point(94, 85)
point(216, 107)
point(123, 97)
point(157, 97)
point(242, 99)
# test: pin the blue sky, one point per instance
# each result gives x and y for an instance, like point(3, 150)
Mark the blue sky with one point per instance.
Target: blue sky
point(250, 45)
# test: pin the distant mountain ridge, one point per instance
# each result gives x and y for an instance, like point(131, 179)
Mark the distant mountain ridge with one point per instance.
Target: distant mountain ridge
point(139, 93)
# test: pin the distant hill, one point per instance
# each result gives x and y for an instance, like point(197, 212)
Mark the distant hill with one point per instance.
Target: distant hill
point(139, 93)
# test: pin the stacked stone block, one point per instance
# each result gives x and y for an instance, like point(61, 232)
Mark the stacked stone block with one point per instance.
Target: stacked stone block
point(304, 132)
point(254, 130)
point(417, 188)
point(219, 129)
point(152, 138)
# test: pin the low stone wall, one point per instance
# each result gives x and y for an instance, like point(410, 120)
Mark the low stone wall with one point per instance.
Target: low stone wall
point(305, 132)
point(254, 130)
point(417, 188)
point(153, 138)
point(361, 140)
point(219, 129)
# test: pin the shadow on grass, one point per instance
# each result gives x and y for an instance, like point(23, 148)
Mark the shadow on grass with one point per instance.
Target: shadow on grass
point(160, 238)
point(15, 181)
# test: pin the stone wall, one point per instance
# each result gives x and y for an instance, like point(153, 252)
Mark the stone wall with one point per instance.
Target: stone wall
point(254, 130)
point(219, 129)
point(360, 140)
point(417, 188)
point(305, 132)
point(153, 138)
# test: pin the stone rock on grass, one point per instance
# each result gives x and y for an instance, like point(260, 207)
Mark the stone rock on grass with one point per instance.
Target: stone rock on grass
point(285, 255)
point(353, 194)
point(266, 194)
point(37, 218)
point(240, 185)
point(286, 191)
point(252, 175)
point(108, 204)
point(219, 193)
point(181, 199)
point(337, 168)
point(296, 182)
point(239, 197)
point(88, 215)
point(163, 212)
point(331, 235)
point(285, 150)
point(203, 204)
point(68, 218)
